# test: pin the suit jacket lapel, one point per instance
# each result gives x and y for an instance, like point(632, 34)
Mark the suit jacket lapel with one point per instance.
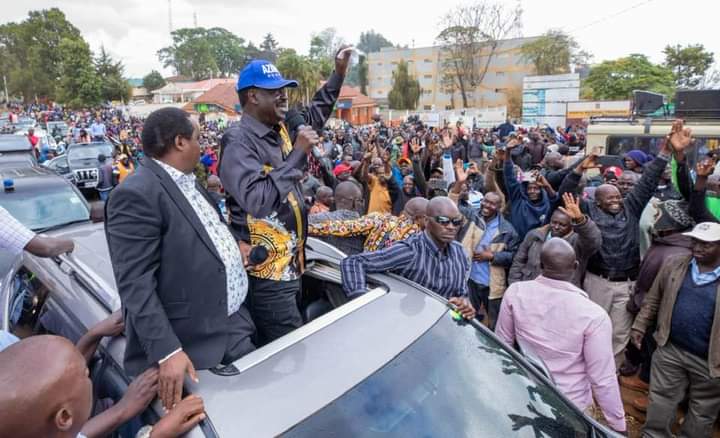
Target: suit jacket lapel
point(182, 203)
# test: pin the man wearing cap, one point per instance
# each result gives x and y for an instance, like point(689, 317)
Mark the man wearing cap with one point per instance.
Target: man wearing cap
point(261, 170)
point(684, 302)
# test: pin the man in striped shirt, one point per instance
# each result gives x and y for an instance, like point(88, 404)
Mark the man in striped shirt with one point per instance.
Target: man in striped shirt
point(431, 258)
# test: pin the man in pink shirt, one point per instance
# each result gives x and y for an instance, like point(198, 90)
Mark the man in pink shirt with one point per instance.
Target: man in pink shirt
point(570, 333)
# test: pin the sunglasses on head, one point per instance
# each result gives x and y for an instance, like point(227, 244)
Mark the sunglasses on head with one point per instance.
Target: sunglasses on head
point(445, 221)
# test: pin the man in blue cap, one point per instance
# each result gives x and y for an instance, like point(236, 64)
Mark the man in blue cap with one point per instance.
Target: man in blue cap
point(261, 167)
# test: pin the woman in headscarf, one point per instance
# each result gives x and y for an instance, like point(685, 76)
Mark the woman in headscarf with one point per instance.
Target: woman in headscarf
point(635, 160)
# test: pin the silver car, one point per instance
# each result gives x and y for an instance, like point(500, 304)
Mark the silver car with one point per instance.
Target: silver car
point(395, 362)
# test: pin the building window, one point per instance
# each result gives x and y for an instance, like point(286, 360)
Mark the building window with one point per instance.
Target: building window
point(379, 63)
point(427, 60)
point(427, 107)
point(428, 76)
point(427, 91)
point(394, 63)
point(500, 73)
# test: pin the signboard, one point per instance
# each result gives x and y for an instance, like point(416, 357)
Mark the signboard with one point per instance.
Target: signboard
point(344, 104)
point(582, 111)
point(545, 98)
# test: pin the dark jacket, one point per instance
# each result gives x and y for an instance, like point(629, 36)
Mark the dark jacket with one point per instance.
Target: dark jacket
point(661, 249)
point(619, 255)
point(504, 245)
point(660, 302)
point(585, 240)
point(263, 183)
point(524, 214)
point(170, 278)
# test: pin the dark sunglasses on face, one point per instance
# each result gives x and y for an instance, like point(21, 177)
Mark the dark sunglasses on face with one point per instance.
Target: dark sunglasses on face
point(445, 221)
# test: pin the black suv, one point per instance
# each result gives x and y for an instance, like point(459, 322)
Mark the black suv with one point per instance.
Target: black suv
point(83, 164)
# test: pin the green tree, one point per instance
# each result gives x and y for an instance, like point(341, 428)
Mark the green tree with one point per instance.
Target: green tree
point(362, 69)
point(269, 47)
point(372, 41)
point(405, 92)
point(618, 78)
point(689, 64)
point(302, 69)
point(110, 73)
point(153, 81)
point(79, 84)
point(204, 53)
point(553, 52)
point(31, 58)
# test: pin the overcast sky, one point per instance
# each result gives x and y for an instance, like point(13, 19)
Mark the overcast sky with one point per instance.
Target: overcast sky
point(134, 30)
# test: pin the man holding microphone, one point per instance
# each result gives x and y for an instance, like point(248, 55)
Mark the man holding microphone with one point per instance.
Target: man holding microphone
point(261, 168)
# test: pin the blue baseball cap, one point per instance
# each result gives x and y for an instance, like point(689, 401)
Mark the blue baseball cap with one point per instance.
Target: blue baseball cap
point(259, 73)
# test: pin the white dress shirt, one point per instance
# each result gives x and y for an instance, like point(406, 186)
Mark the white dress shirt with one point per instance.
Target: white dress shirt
point(14, 236)
point(225, 244)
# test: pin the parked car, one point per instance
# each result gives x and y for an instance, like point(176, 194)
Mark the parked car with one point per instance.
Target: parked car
point(394, 362)
point(57, 129)
point(16, 151)
point(42, 201)
point(83, 164)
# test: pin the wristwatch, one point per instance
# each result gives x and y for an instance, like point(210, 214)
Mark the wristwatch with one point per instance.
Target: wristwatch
point(144, 432)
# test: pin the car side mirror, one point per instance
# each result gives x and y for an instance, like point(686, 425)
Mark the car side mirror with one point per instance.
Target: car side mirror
point(97, 212)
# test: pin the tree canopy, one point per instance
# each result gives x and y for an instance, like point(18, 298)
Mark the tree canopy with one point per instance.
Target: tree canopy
point(689, 64)
point(153, 81)
point(405, 92)
point(372, 41)
point(203, 53)
point(618, 78)
point(553, 52)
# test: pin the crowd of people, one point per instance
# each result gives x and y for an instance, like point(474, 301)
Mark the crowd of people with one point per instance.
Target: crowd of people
point(604, 271)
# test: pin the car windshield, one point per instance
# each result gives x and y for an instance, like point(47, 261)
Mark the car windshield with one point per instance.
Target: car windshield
point(84, 151)
point(453, 381)
point(50, 207)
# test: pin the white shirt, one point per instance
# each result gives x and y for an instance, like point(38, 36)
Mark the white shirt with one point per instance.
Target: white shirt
point(14, 236)
point(222, 239)
point(97, 129)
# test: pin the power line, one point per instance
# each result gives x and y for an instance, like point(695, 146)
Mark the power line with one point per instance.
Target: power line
point(607, 17)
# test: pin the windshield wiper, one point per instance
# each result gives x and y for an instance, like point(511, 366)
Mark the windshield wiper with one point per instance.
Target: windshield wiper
point(55, 227)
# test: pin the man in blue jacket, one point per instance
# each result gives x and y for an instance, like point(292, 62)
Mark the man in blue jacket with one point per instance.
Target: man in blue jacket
point(531, 201)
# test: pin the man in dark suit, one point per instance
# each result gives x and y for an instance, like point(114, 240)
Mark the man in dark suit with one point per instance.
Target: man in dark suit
point(178, 269)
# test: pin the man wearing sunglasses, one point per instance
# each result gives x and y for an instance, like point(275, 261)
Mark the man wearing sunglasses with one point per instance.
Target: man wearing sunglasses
point(262, 166)
point(432, 259)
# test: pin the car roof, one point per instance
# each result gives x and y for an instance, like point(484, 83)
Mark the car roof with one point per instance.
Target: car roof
point(330, 356)
point(30, 176)
point(13, 142)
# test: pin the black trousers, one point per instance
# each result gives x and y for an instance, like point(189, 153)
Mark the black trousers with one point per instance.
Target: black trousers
point(480, 296)
point(273, 307)
point(241, 331)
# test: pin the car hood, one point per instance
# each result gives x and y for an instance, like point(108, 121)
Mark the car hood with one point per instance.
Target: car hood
point(83, 163)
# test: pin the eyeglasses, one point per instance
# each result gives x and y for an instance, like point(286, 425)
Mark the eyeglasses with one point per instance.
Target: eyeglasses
point(445, 221)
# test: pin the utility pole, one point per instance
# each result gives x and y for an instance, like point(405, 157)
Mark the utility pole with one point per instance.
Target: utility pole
point(195, 19)
point(7, 96)
point(170, 26)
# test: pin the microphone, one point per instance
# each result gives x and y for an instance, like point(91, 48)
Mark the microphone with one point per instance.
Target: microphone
point(295, 120)
point(258, 255)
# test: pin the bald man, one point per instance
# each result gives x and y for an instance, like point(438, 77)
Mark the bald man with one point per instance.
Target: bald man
point(570, 333)
point(381, 230)
point(47, 392)
point(613, 269)
point(431, 258)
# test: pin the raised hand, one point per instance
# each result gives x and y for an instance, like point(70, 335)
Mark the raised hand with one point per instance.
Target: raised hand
point(705, 167)
point(572, 207)
point(461, 175)
point(415, 145)
point(448, 139)
point(680, 137)
point(590, 162)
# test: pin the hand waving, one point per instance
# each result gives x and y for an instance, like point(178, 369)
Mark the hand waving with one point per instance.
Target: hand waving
point(572, 207)
point(680, 137)
point(705, 167)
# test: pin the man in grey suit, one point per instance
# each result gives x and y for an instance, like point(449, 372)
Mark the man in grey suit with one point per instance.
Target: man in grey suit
point(179, 271)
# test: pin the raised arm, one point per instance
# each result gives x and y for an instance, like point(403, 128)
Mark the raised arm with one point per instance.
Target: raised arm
point(698, 208)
